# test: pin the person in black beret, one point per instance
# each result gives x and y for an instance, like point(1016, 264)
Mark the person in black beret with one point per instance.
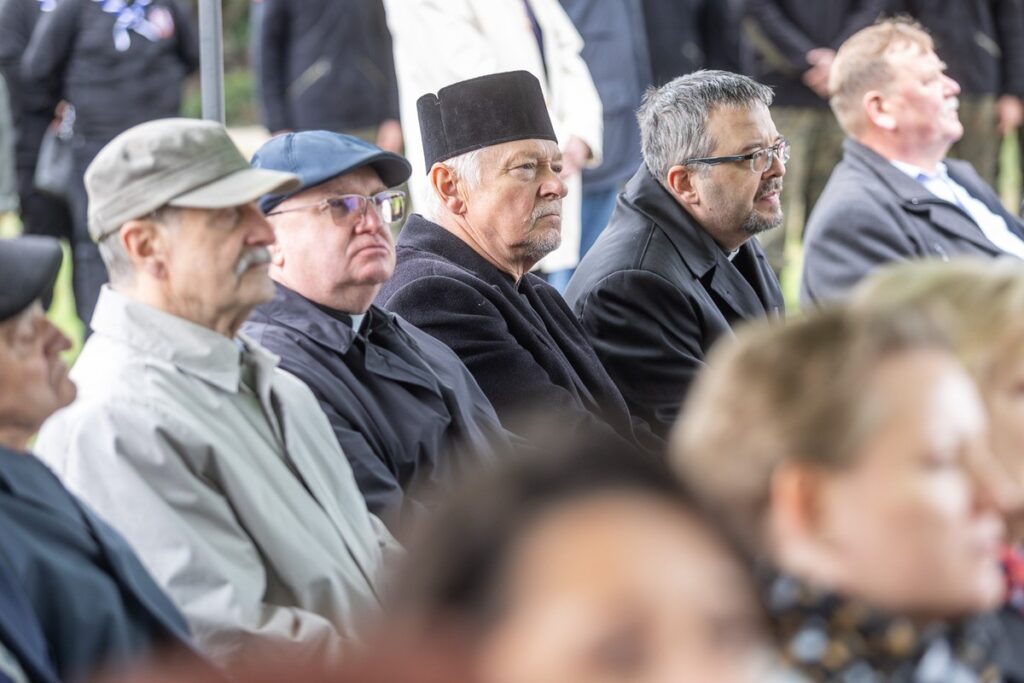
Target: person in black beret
point(73, 596)
point(463, 273)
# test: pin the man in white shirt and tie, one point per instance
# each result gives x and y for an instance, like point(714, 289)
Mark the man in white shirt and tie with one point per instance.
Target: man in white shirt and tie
point(895, 196)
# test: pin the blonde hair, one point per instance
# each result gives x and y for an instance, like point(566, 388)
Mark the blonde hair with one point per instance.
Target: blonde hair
point(862, 64)
point(796, 393)
point(979, 302)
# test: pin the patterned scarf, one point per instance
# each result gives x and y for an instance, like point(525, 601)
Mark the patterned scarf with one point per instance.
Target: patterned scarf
point(830, 638)
point(1013, 566)
point(130, 18)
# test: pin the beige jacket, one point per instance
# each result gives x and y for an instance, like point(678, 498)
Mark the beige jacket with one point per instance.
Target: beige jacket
point(238, 500)
point(440, 42)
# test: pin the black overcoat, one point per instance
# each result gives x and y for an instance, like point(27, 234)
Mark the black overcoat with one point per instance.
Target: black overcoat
point(519, 339)
point(403, 407)
point(872, 213)
point(656, 291)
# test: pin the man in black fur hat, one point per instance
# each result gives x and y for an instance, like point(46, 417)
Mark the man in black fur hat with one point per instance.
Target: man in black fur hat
point(493, 168)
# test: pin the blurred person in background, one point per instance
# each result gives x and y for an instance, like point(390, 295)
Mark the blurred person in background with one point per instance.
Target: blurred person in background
point(8, 184)
point(979, 303)
point(407, 413)
point(677, 266)
point(33, 106)
point(795, 43)
point(440, 42)
point(74, 598)
point(118, 63)
point(982, 44)
point(620, 66)
point(895, 196)
point(684, 36)
point(327, 65)
point(220, 468)
point(851, 453)
point(463, 271)
point(585, 562)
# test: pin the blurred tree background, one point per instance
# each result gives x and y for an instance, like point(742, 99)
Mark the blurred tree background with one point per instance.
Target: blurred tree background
point(240, 104)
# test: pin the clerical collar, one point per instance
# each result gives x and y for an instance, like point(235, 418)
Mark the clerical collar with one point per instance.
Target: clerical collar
point(353, 320)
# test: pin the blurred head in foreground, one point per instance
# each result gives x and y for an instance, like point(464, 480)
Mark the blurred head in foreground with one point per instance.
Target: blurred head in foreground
point(981, 306)
point(851, 451)
point(586, 564)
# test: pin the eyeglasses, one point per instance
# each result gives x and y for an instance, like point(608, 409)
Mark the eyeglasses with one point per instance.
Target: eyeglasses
point(760, 161)
point(349, 209)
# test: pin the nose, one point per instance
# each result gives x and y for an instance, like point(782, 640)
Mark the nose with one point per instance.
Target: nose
point(261, 233)
point(952, 87)
point(553, 187)
point(777, 169)
point(56, 341)
point(371, 220)
point(995, 490)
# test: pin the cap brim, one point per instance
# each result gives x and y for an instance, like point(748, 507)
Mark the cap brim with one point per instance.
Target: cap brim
point(30, 267)
point(241, 187)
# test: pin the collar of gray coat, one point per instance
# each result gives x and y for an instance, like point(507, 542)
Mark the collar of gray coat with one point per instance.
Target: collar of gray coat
point(192, 348)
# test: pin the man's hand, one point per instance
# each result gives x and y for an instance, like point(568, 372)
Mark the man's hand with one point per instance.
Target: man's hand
point(816, 78)
point(1009, 113)
point(574, 156)
point(389, 136)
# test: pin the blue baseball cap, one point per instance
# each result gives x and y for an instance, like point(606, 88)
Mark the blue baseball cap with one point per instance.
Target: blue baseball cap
point(317, 156)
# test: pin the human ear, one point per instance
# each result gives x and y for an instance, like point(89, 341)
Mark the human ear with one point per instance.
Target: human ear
point(878, 110)
point(795, 497)
point(679, 181)
point(446, 185)
point(146, 246)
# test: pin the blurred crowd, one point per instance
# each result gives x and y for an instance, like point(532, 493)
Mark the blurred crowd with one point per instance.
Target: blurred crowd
point(480, 368)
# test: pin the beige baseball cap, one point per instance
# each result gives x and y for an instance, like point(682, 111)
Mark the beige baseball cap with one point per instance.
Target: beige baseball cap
point(172, 162)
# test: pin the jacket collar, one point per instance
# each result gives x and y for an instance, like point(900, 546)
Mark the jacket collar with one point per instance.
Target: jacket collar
point(193, 349)
point(292, 310)
point(425, 235)
point(916, 199)
point(697, 249)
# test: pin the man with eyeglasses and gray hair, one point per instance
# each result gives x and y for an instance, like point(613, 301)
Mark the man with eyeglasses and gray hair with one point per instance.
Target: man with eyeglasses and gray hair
point(676, 268)
point(406, 411)
point(217, 466)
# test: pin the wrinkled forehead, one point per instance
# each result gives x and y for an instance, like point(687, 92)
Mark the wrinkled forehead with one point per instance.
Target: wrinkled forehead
point(517, 150)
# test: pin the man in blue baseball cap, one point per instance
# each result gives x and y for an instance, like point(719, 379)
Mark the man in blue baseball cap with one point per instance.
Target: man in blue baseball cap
point(406, 411)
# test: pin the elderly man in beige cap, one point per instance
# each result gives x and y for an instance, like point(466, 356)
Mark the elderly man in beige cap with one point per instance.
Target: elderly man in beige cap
point(218, 467)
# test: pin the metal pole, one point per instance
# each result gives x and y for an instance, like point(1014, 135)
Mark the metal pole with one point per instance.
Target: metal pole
point(211, 59)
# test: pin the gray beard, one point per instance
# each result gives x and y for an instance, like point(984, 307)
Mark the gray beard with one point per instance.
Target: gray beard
point(756, 223)
point(537, 248)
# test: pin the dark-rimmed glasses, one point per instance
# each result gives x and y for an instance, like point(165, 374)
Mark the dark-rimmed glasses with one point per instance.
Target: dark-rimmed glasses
point(760, 160)
point(348, 209)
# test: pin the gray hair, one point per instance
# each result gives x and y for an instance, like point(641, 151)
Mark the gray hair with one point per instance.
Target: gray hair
point(673, 118)
point(467, 168)
point(120, 268)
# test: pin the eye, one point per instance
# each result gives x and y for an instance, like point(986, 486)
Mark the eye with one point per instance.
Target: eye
point(556, 166)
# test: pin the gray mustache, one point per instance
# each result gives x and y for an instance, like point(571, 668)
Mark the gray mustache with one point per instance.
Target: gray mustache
point(253, 257)
point(773, 185)
point(548, 210)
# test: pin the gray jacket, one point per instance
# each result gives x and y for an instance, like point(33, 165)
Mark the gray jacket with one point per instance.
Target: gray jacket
point(223, 473)
point(871, 213)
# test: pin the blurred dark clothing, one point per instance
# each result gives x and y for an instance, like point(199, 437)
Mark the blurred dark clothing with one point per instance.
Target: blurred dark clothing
point(518, 338)
point(115, 79)
point(33, 103)
point(97, 605)
point(615, 50)
point(111, 89)
point(21, 634)
point(324, 64)
point(981, 41)
point(686, 35)
point(656, 292)
point(400, 402)
point(784, 31)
